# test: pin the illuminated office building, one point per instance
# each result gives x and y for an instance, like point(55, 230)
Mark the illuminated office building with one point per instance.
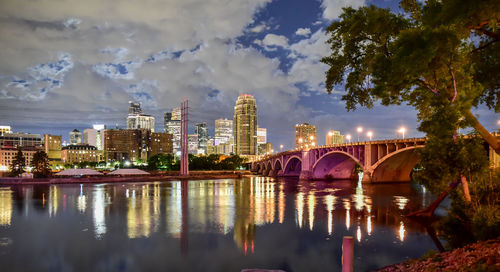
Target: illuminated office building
point(202, 131)
point(172, 125)
point(5, 130)
point(334, 137)
point(75, 137)
point(79, 153)
point(134, 144)
point(137, 120)
point(52, 145)
point(15, 140)
point(305, 136)
point(245, 125)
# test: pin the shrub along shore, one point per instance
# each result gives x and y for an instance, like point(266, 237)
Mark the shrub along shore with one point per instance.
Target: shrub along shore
point(155, 176)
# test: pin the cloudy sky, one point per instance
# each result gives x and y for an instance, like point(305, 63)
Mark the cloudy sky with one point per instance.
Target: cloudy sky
point(70, 64)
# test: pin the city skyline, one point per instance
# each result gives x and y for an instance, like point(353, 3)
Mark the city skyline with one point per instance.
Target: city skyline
point(67, 67)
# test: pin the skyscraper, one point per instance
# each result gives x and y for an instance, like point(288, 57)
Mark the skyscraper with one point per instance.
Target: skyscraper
point(166, 118)
point(134, 108)
point(75, 137)
point(223, 131)
point(305, 136)
point(334, 137)
point(137, 120)
point(202, 132)
point(173, 126)
point(245, 125)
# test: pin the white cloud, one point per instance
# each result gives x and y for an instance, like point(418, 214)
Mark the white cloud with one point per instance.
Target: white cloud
point(333, 8)
point(259, 28)
point(275, 40)
point(303, 32)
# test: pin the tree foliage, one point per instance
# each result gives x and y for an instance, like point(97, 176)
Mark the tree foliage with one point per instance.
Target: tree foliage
point(41, 165)
point(442, 51)
point(18, 164)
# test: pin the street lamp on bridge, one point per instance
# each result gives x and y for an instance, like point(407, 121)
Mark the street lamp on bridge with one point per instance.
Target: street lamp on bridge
point(281, 148)
point(359, 130)
point(369, 134)
point(402, 130)
point(348, 137)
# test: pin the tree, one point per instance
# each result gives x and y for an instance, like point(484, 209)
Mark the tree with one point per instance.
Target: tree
point(441, 57)
point(18, 164)
point(442, 51)
point(41, 165)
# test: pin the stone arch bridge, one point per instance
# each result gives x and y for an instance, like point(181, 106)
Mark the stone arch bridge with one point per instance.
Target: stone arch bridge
point(380, 161)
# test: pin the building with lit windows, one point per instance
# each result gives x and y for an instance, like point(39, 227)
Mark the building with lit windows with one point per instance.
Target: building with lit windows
point(193, 144)
point(5, 130)
point(172, 125)
point(137, 120)
point(79, 153)
point(15, 140)
point(7, 155)
point(52, 145)
point(202, 131)
point(266, 149)
point(245, 125)
point(305, 136)
point(134, 144)
point(75, 137)
point(334, 137)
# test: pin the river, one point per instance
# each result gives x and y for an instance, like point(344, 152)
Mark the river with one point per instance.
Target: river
point(208, 225)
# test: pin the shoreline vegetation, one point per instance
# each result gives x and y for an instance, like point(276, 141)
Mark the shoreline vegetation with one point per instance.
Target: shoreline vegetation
point(164, 176)
point(480, 256)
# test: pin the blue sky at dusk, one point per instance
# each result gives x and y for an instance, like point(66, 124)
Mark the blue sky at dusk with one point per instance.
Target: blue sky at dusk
point(71, 64)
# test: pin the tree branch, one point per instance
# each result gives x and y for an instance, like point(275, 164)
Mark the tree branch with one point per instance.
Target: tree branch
point(483, 46)
point(487, 136)
point(428, 86)
point(454, 85)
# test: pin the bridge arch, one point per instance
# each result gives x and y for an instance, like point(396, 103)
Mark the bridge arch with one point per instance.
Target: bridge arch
point(396, 166)
point(268, 168)
point(335, 164)
point(258, 168)
point(293, 166)
point(278, 169)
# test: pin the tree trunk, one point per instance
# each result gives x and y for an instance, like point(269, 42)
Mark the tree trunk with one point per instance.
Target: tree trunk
point(487, 136)
point(465, 188)
point(429, 211)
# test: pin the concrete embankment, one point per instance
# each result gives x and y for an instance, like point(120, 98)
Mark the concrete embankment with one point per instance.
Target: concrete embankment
point(194, 175)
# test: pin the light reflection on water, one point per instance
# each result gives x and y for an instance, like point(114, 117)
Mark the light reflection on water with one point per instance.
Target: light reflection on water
point(271, 223)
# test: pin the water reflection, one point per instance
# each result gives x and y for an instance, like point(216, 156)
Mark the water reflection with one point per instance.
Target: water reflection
point(242, 210)
point(5, 207)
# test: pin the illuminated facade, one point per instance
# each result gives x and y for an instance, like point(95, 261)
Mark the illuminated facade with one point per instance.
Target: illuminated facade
point(133, 144)
point(172, 125)
point(15, 140)
point(90, 136)
point(134, 108)
point(261, 136)
point(245, 125)
point(334, 137)
point(305, 136)
point(52, 145)
point(7, 155)
point(79, 153)
point(75, 137)
point(266, 149)
point(202, 131)
point(99, 141)
point(5, 130)
point(141, 121)
point(193, 144)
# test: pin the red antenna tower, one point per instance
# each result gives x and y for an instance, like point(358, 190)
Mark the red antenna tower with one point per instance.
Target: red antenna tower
point(184, 138)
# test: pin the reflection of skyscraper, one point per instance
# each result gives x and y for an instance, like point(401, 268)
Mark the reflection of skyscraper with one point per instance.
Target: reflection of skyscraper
point(5, 207)
point(245, 125)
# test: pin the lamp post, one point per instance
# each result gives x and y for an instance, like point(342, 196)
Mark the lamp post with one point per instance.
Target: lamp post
point(348, 137)
point(281, 148)
point(359, 130)
point(369, 134)
point(402, 130)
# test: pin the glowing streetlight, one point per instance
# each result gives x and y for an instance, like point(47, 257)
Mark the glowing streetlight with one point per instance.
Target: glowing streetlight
point(348, 137)
point(281, 148)
point(369, 134)
point(359, 130)
point(402, 130)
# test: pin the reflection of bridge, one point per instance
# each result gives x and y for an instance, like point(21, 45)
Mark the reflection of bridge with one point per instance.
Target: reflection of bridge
point(388, 160)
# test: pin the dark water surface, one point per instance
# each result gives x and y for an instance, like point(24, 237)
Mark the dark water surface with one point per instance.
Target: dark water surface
point(208, 225)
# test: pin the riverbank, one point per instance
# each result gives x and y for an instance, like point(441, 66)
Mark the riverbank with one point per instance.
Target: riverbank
point(481, 256)
point(193, 175)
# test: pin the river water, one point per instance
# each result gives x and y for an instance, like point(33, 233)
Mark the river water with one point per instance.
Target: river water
point(208, 225)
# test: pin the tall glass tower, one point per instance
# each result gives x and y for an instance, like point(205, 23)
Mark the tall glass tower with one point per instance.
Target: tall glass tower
point(245, 125)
